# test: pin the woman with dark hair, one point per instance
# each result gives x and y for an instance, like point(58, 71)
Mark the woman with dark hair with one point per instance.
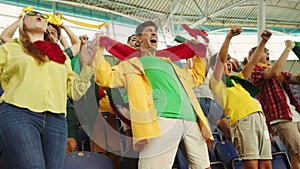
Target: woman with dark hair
point(37, 78)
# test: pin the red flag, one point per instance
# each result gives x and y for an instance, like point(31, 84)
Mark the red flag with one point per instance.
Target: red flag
point(195, 32)
point(175, 53)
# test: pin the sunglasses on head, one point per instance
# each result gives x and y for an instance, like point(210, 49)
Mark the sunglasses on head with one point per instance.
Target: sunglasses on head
point(34, 13)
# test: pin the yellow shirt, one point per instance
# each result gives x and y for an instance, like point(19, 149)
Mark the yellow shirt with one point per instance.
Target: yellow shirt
point(105, 105)
point(236, 101)
point(130, 74)
point(39, 87)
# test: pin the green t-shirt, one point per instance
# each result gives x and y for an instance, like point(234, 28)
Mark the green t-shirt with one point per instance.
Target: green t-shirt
point(75, 64)
point(169, 96)
point(74, 60)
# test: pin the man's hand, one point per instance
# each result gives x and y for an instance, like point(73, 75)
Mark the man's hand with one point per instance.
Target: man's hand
point(266, 34)
point(234, 31)
point(139, 146)
point(84, 39)
point(289, 44)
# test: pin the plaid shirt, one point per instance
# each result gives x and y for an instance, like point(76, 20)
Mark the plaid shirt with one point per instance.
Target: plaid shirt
point(272, 97)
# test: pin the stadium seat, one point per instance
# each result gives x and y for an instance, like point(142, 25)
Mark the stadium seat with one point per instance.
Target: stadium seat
point(280, 160)
point(214, 162)
point(87, 160)
point(236, 163)
point(296, 90)
point(217, 165)
point(83, 140)
point(278, 144)
point(226, 152)
point(180, 161)
point(217, 136)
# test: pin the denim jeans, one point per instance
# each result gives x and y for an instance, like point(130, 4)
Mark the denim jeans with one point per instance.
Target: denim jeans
point(212, 110)
point(30, 140)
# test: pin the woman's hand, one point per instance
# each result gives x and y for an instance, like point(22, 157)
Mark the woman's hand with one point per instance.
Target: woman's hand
point(88, 51)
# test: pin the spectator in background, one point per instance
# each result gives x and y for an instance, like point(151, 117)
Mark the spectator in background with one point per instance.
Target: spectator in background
point(245, 61)
point(72, 119)
point(249, 131)
point(236, 65)
point(211, 109)
point(131, 41)
point(105, 138)
point(75, 61)
point(36, 83)
point(120, 100)
point(278, 101)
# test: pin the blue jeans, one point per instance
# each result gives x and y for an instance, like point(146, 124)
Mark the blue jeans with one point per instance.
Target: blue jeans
point(212, 110)
point(30, 140)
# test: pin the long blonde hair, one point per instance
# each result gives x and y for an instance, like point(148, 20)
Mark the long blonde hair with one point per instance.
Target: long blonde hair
point(29, 47)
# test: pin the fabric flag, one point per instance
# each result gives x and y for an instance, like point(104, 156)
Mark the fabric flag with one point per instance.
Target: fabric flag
point(249, 87)
point(296, 49)
point(195, 32)
point(180, 39)
point(183, 51)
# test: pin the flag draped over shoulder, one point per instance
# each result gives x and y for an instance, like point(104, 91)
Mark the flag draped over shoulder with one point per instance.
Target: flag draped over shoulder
point(175, 53)
point(249, 87)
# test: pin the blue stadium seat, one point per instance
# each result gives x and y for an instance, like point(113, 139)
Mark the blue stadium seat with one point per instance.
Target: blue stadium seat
point(180, 161)
point(278, 144)
point(214, 162)
point(280, 160)
point(217, 165)
point(212, 155)
point(83, 140)
point(217, 136)
point(87, 160)
point(226, 152)
point(296, 90)
point(236, 163)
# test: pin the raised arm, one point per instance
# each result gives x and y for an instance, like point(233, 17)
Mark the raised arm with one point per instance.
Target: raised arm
point(9, 31)
point(278, 66)
point(223, 53)
point(255, 57)
point(75, 41)
point(210, 53)
point(80, 84)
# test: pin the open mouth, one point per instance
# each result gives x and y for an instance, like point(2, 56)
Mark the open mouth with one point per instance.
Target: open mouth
point(229, 67)
point(153, 41)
